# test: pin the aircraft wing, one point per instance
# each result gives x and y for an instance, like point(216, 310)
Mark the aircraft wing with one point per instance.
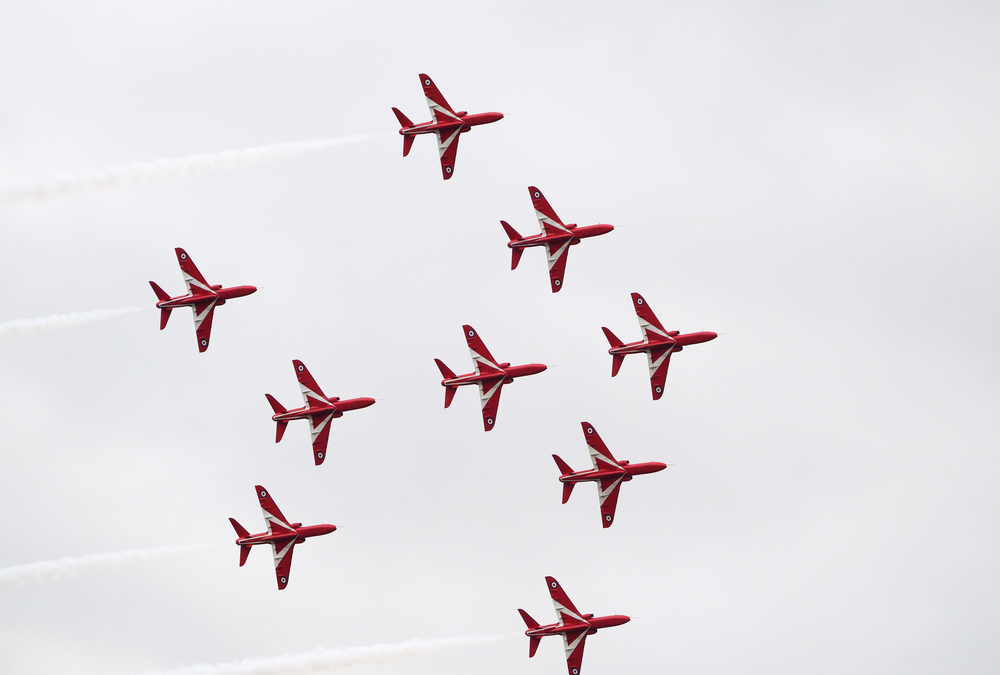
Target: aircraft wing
point(547, 218)
point(489, 396)
point(609, 499)
point(319, 427)
point(573, 641)
point(276, 521)
point(440, 110)
point(283, 560)
point(565, 610)
point(204, 310)
point(557, 252)
point(481, 357)
point(448, 149)
point(193, 279)
point(311, 392)
point(650, 325)
point(599, 453)
point(659, 362)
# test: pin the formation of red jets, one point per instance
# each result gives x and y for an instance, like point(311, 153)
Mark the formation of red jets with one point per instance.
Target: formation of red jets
point(489, 375)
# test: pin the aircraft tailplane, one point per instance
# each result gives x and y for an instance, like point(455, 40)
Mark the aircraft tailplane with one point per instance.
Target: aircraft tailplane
point(515, 253)
point(616, 359)
point(278, 409)
point(244, 554)
point(403, 119)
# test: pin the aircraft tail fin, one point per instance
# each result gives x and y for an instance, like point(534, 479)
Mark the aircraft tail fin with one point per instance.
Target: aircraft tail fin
point(616, 359)
point(533, 640)
point(278, 409)
point(407, 144)
point(244, 554)
point(528, 621)
point(164, 311)
point(404, 121)
point(515, 253)
point(564, 470)
point(449, 390)
point(241, 532)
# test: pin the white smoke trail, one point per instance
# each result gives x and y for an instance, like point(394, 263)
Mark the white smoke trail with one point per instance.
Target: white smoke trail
point(22, 327)
point(64, 568)
point(324, 660)
point(170, 167)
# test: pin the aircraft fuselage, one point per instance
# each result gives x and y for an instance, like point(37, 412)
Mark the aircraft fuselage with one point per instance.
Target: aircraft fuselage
point(221, 294)
point(679, 341)
point(576, 233)
point(467, 121)
point(627, 471)
point(590, 623)
point(335, 405)
point(302, 532)
point(508, 375)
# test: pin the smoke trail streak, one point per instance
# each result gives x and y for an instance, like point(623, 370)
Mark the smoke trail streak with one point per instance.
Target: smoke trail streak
point(324, 660)
point(65, 568)
point(170, 167)
point(23, 327)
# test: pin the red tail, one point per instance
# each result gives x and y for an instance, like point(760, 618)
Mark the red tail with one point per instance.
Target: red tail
point(403, 120)
point(241, 533)
point(515, 253)
point(278, 409)
point(616, 359)
point(244, 554)
point(533, 640)
point(564, 470)
point(449, 391)
point(405, 123)
point(161, 296)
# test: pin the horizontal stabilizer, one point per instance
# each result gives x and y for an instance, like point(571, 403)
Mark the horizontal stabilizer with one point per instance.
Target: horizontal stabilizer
point(511, 232)
point(564, 468)
point(241, 531)
point(280, 430)
point(528, 621)
point(533, 642)
point(449, 395)
point(275, 406)
point(612, 338)
point(407, 144)
point(160, 294)
point(244, 554)
point(164, 317)
point(445, 370)
point(515, 257)
point(403, 119)
point(616, 363)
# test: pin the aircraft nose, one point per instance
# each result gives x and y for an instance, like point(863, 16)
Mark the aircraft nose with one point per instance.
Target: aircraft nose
point(365, 402)
point(709, 335)
point(657, 466)
point(327, 529)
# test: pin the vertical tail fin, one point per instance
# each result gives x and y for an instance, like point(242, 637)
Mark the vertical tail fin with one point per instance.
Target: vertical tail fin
point(512, 235)
point(241, 533)
point(278, 409)
point(616, 359)
point(160, 297)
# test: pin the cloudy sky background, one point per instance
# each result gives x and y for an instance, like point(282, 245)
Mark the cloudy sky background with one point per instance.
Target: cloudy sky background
point(818, 185)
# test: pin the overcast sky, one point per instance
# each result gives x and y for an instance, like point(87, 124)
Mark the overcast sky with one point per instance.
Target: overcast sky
point(818, 185)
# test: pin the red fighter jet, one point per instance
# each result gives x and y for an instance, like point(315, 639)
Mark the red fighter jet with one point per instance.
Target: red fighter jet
point(446, 123)
point(657, 343)
point(572, 625)
point(608, 472)
point(555, 237)
point(490, 375)
point(319, 410)
point(201, 297)
point(281, 534)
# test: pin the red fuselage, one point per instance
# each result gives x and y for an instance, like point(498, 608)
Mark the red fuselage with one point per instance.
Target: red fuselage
point(508, 375)
point(336, 405)
point(590, 622)
point(467, 122)
point(679, 339)
point(302, 532)
point(627, 472)
point(222, 294)
point(577, 233)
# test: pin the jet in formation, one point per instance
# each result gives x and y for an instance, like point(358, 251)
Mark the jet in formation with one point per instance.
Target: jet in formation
point(201, 297)
point(556, 237)
point(657, 343)
point(319, 410)
point(572, 625)
point(490, 375)
point(446, 124)
point(608, 472)
point(281, 534)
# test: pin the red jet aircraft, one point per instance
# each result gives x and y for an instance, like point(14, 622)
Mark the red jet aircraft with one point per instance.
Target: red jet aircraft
point(608, 472)
point(555, 237)
point(281, 534)
point(319, 410)
point(446, 123)
point(490, 375)
point(657, 343)
point(201, 298)
point(572, 625)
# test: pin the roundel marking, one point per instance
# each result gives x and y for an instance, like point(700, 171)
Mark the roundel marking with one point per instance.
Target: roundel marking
point(489, 420)
point(447, 169)
point(537, 194)
point(472, 333)
point(590, 430)
point(319, 455)
point(576, 671)
point(554, 585)
point(638, 301)
point(556, 282)
point(284, 580)
point(608, 517)
point(204, 342)
point(427, 81)
point(184, 256)
point(263, 493)
point(659, 390)
point(301, 367)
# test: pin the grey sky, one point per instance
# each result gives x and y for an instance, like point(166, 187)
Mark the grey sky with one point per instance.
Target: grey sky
point(817, 184)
